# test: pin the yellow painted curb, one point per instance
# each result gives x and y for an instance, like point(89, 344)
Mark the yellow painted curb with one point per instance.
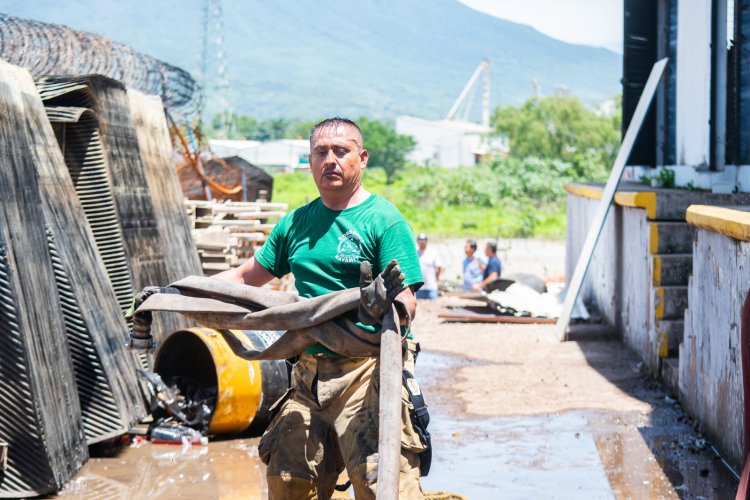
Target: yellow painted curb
point(640, 199)
point(653, 242)
point(656, 278)
point(635, 199)
point(585, 191)
point(726, 221)
point(659, 303)
point(664, 345)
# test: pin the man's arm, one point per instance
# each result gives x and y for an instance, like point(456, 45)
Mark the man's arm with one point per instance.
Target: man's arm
point(249, 273)
point(409, 301)
point(489, 279)
point(494, 273)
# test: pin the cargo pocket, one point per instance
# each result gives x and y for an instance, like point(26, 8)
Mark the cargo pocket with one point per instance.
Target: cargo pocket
point(270, 439)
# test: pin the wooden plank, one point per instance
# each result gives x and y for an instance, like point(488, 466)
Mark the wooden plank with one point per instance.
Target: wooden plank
point(155, 147)
point(607, 197)
point(462, 315)
point(389, 432)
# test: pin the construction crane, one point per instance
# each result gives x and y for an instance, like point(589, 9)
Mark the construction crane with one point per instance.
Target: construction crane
point(465, 98)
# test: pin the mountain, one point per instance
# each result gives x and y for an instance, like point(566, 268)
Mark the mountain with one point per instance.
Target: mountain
point(309, 59)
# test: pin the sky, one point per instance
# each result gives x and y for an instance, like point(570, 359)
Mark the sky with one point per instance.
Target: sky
point(587, 22)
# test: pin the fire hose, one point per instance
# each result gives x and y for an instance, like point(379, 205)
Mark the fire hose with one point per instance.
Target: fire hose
point(325, 319)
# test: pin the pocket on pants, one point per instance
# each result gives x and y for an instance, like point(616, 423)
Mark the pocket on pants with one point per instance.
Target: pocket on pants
point(270, 439)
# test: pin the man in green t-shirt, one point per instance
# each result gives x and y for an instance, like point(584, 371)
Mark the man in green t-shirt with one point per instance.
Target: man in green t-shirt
point(330, 422)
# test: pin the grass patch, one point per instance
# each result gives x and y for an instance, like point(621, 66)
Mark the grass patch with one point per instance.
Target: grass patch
point(452, 202)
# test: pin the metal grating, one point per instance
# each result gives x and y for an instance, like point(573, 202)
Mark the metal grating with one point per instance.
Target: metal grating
point(27, 459)
point(101, 417)
point(83, 151)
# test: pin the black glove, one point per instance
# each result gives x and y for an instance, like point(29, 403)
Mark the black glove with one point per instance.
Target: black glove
point(140, 297)
point(376, 296)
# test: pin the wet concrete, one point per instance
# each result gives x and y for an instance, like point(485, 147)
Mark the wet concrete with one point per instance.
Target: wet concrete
point(573, 454)
point(570, 454)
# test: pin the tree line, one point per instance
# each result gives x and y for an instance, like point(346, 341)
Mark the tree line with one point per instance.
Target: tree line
point(556, 137)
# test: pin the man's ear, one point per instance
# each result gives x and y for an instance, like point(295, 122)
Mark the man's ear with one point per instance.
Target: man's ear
point(363, 157)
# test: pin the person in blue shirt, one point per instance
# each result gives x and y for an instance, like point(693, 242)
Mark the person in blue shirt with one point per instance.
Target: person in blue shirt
point(491, 270)
point(473, 265)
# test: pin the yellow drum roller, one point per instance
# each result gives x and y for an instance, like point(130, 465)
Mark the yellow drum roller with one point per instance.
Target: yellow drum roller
point(239, 392)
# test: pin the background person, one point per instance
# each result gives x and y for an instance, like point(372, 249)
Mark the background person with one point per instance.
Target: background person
point(429, 262)
point(472, 266)
point(491, 270)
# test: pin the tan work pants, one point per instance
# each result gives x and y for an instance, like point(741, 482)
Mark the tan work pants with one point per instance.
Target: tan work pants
point(330, 422)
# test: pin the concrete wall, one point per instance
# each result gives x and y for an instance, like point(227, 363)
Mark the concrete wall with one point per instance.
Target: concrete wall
point(635, 293)
point(618, 281)
point(710, 359)
point(599, 287)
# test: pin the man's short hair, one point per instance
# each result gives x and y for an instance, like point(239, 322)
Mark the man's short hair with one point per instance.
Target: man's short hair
point(472, 244)
point(334, 122)
point(492, 246)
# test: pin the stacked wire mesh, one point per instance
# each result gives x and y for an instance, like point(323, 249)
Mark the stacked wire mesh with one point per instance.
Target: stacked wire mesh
point(85, 199)
point(80, 233)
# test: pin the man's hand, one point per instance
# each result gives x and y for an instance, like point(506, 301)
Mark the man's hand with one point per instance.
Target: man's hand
point(140, 297)
point(376, 296)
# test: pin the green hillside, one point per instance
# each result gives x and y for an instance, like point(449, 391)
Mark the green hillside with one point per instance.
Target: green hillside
point(377, 57)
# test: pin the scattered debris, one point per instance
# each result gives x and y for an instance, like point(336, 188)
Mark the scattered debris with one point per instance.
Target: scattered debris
point(170, 408)
point(176, 434)
point(509, 301)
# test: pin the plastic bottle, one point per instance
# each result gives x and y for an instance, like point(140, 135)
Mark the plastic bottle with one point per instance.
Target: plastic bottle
point(176, 434)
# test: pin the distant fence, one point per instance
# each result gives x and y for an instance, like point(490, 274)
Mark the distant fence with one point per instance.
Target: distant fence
point(52, 49)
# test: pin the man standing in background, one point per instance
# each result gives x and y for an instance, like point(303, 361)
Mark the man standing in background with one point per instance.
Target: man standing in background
point(431, 267)
point(492, 269)
point(472, 266)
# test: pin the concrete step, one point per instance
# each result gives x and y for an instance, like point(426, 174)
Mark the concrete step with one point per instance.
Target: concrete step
point(670, 302)
point(670, 374)
point(669, 333)
point(671, 269)
point(671, 237)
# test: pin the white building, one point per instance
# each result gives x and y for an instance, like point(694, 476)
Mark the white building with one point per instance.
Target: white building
point(449, 143)
point(282, 155)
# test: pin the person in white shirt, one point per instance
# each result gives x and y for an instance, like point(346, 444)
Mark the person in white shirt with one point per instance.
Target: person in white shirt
point(431, 266)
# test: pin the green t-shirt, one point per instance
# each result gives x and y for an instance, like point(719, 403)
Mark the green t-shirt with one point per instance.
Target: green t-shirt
point(323, 248)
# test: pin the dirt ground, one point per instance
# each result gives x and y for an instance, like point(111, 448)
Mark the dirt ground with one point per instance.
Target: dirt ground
point(514, 414)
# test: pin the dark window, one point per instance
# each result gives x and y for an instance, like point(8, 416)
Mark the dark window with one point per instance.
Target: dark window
point(650, 33)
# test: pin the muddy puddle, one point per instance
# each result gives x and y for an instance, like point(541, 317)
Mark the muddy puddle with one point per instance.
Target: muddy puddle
point(574, 454)
point(223, 470)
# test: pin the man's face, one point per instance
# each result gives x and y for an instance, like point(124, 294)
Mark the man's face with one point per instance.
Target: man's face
point(422, 244)
point(488, 251)
point(468, 250)
point(337, 158)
